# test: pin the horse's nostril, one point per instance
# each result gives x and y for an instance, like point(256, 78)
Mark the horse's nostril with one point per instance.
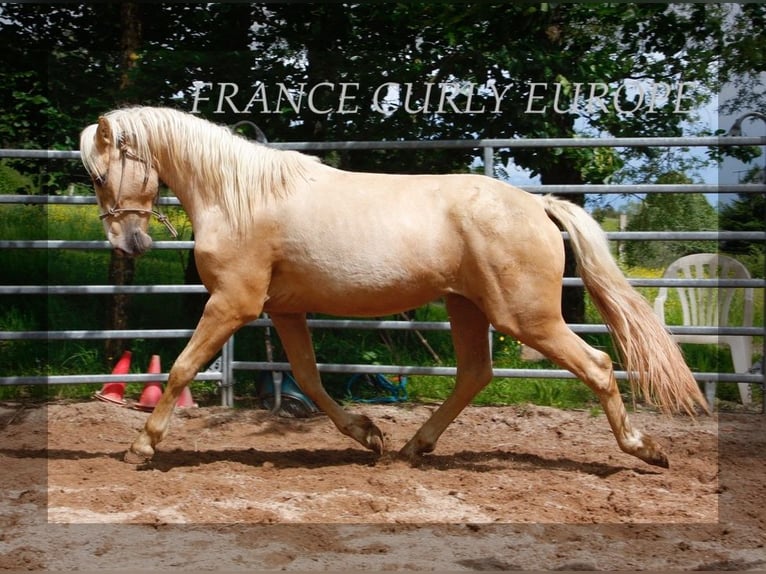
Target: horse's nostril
point(140, 242)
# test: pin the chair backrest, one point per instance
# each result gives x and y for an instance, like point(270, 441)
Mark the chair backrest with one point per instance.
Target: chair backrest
point(710, 306)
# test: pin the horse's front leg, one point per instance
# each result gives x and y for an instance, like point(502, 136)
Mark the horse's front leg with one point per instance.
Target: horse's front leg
point(219, 321)
point(296, 339)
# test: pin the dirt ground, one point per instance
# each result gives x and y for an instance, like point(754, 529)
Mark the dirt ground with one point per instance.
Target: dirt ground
point(511, 488)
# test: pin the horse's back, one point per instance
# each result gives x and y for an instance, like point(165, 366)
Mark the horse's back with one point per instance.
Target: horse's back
point(381, 243)
point(432, 216)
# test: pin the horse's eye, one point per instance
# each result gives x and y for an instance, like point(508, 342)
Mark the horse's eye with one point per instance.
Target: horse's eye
point(100, 180)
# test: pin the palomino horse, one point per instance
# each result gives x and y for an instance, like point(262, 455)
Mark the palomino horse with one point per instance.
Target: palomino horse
point(280, 232)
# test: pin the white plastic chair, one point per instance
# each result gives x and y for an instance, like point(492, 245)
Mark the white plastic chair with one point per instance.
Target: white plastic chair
point(711, 307)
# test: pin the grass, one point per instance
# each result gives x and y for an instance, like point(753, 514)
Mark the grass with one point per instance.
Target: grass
point(79, 267)
point(87, 312)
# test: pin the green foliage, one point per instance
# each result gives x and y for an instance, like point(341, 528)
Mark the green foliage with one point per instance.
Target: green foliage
point(564, 393)
point(745, 213)
point(63, 66)
point(162, 311)
point(55, 56)
point(669, 212)
point(62, 267)
point(13, 182)
point(743, 55)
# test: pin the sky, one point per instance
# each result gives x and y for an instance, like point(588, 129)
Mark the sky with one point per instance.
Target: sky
point(730, 172)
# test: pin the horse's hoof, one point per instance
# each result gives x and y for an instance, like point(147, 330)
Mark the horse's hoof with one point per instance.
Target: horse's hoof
point(652, 453)
point(366, 433)
point(409, 457)
point(656, 459)
point(374, 440)
point(134, 458)
point(412, 451)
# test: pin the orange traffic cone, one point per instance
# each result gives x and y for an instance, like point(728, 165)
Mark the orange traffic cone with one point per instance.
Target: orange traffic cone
point(114, 392)
point(185, 400)
point(152, 391)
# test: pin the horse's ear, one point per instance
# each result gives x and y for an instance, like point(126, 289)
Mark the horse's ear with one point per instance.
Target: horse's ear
point(104, 135)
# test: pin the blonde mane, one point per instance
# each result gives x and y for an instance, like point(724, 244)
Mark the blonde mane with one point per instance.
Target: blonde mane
point(222, 167)
point(87, 149)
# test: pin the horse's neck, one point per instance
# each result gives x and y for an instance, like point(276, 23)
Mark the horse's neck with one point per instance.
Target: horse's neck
point(183, 186)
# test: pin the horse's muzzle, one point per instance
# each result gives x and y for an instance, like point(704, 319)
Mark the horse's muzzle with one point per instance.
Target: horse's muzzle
point(133, 243)
point(140, 241)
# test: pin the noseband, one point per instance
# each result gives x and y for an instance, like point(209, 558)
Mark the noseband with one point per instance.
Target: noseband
point(116, 210)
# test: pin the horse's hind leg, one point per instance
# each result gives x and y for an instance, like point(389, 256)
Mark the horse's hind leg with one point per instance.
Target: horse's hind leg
point(470, 329)
point(296, 339)
point(555, 340)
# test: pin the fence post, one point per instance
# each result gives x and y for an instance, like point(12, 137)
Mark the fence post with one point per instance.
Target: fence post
point(227, 373)
point(489, 160)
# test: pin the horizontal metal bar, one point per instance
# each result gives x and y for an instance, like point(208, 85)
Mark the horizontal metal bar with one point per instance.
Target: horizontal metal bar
point(93, 379)
point(100, 289)
point(586, 328)
point(97, 334)
point(361, 325)
point(40, 153)
point(711, 141)
point(393, 369)
point(714, 283)
point(173, 289)
point(644, 188)
point(718, 331)
point(52, 244)
point(662, 282)
point(684, 141)
point(685, 235)
point(611, 235)
point(452, 371)
point(68, 200)
point(600, 189)
point(332, 368)
point(81, 244)
point(338, 324)
point(366, 324)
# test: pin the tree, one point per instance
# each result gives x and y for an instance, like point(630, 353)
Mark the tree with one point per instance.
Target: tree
point(746, 213)
point(743, 58)
point(566, 44)
point(122, 269)
point(551, 55)
point(670, 212)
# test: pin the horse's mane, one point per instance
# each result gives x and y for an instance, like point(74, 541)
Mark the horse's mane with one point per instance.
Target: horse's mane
point(226, 168)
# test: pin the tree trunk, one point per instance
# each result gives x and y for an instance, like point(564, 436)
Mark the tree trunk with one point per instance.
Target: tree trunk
point(122, 269)
point(121, 272)
point(572, 298)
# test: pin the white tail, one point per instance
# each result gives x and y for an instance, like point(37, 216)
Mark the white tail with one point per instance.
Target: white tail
point(653, 360)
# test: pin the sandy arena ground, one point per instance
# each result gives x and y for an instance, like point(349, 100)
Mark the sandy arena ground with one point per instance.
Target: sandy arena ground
point(511, 488)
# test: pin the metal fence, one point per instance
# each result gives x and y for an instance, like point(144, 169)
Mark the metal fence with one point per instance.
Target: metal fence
point(222, 371)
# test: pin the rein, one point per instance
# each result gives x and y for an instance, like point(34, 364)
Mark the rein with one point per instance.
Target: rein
point(116, 210)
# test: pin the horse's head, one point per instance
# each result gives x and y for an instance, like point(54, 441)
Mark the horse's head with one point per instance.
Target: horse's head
point(126, 186)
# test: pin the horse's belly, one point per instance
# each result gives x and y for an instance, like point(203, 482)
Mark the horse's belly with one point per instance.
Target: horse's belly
point(355, 290)
point(375, 306)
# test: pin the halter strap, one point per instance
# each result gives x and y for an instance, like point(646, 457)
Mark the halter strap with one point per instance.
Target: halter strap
point(116, 210)
point(161, 217)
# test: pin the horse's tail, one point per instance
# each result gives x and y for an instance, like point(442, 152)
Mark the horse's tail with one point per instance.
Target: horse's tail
point(652, 359)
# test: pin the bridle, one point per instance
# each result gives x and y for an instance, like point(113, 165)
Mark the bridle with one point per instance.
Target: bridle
point(115, 210)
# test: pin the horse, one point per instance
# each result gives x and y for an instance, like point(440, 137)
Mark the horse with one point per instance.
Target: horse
point(279, 231)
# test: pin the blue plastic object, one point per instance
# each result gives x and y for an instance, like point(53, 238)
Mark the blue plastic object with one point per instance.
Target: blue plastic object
point(366, 388)
point(284, 398)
